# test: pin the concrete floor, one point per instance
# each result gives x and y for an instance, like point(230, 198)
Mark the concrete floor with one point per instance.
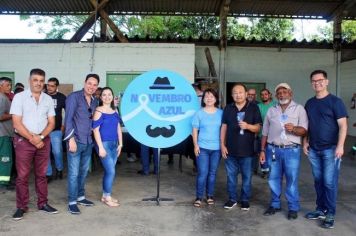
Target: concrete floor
point(135, 217)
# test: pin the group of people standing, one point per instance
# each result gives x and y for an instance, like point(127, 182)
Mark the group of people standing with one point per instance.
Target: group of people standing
point(37, 122)
point(284, 127)
point(287, 128)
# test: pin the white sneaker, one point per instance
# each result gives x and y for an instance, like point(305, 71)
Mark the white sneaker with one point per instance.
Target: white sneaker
point(132, 158)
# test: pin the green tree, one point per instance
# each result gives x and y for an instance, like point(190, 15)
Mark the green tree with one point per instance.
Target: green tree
point(170, 26)
point(60, 26)
point(348, 28)
point(269, 28)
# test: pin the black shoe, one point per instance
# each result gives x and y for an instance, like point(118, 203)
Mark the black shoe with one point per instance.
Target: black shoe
point(49, 179)
point(245, 205)
point(271, 211)
point(264, 174)
point(48, 209)
point(73, 209)
point(328, 223)
point(229, 204)
point(170, 161)
point(314, 215)
point(292, 215)
point(85, 202)
point(59, 174)
point(140, 172)
point(18, 214)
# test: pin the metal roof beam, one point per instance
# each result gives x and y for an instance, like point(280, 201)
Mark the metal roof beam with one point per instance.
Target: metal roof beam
point(89, 22)
point(121, 37)
point(341, 10)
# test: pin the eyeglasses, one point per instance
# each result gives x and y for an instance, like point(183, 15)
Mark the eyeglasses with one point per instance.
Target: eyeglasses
point(319, 81)
point(91, 113)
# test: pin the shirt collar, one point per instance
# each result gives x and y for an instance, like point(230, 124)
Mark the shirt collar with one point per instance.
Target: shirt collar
point(91, 96)
point(28, 92)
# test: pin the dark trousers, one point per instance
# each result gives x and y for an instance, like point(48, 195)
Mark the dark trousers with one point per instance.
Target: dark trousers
point(26, 154)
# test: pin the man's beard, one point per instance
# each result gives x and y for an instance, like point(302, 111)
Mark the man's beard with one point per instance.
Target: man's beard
point(283, 101)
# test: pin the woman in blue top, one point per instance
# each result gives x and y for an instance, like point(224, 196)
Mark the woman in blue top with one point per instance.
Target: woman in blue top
point(206, 138)
point(108, 137)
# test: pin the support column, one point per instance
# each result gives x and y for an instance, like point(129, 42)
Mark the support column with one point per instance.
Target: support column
point(337, 38)
point(224, 10)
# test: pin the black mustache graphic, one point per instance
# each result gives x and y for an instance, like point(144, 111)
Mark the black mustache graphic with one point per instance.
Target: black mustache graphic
point(154, 133)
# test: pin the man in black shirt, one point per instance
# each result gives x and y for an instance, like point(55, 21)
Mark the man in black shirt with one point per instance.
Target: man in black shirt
point(59, 100)
point(240, 123)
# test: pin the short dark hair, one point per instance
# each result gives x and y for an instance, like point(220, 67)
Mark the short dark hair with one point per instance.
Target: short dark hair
point(54, 79)
point(19, 85)
point(239, 84)
point(112, 104)
point(5, 79)
point(197, 85)
point(37, 71)
point(319, 72)
point(213, 92)
point(18, 90)
point(265, 89)
point(95, 76)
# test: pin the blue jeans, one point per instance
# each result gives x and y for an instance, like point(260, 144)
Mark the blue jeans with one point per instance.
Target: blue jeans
point(109, 163)
point(287, 162)
point(234, 166)
point(57, 151)
point(78, 166)
point(325, 167)
point(145, 159)
point(207, 163)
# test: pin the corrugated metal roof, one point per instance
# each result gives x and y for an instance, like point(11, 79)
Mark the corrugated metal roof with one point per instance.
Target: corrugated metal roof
point(322, 9)
point(209, 41)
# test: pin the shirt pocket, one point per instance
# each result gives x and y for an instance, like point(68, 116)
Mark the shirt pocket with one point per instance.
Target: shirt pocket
point(293, 118)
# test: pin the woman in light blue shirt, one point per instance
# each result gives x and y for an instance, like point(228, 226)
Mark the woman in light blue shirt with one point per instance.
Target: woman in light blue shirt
point(206, 138)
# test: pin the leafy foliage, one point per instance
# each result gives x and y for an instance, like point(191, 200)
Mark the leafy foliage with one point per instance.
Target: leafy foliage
point(348, 28)
point(170, 26)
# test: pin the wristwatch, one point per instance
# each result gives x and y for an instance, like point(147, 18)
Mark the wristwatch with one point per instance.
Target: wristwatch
point(42, 136)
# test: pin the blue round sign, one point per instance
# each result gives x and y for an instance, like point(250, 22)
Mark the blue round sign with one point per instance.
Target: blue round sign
point(157, 108)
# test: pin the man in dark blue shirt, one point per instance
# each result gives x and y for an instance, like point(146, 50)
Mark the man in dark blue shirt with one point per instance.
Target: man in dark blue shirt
point(240, 122)
point(325, 146)
point(80, 106)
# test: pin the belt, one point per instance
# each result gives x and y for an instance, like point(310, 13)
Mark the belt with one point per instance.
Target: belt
point(285, 146)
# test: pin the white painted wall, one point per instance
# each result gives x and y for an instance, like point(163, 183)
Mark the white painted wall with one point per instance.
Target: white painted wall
point(348, 88)
point(70, 62)
point(273, 66)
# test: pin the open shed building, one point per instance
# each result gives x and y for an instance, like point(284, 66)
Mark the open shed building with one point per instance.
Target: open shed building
point(256, 63)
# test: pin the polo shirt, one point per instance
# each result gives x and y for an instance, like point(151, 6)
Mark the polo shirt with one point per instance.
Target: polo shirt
point(34, 115)
point(240, 145)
